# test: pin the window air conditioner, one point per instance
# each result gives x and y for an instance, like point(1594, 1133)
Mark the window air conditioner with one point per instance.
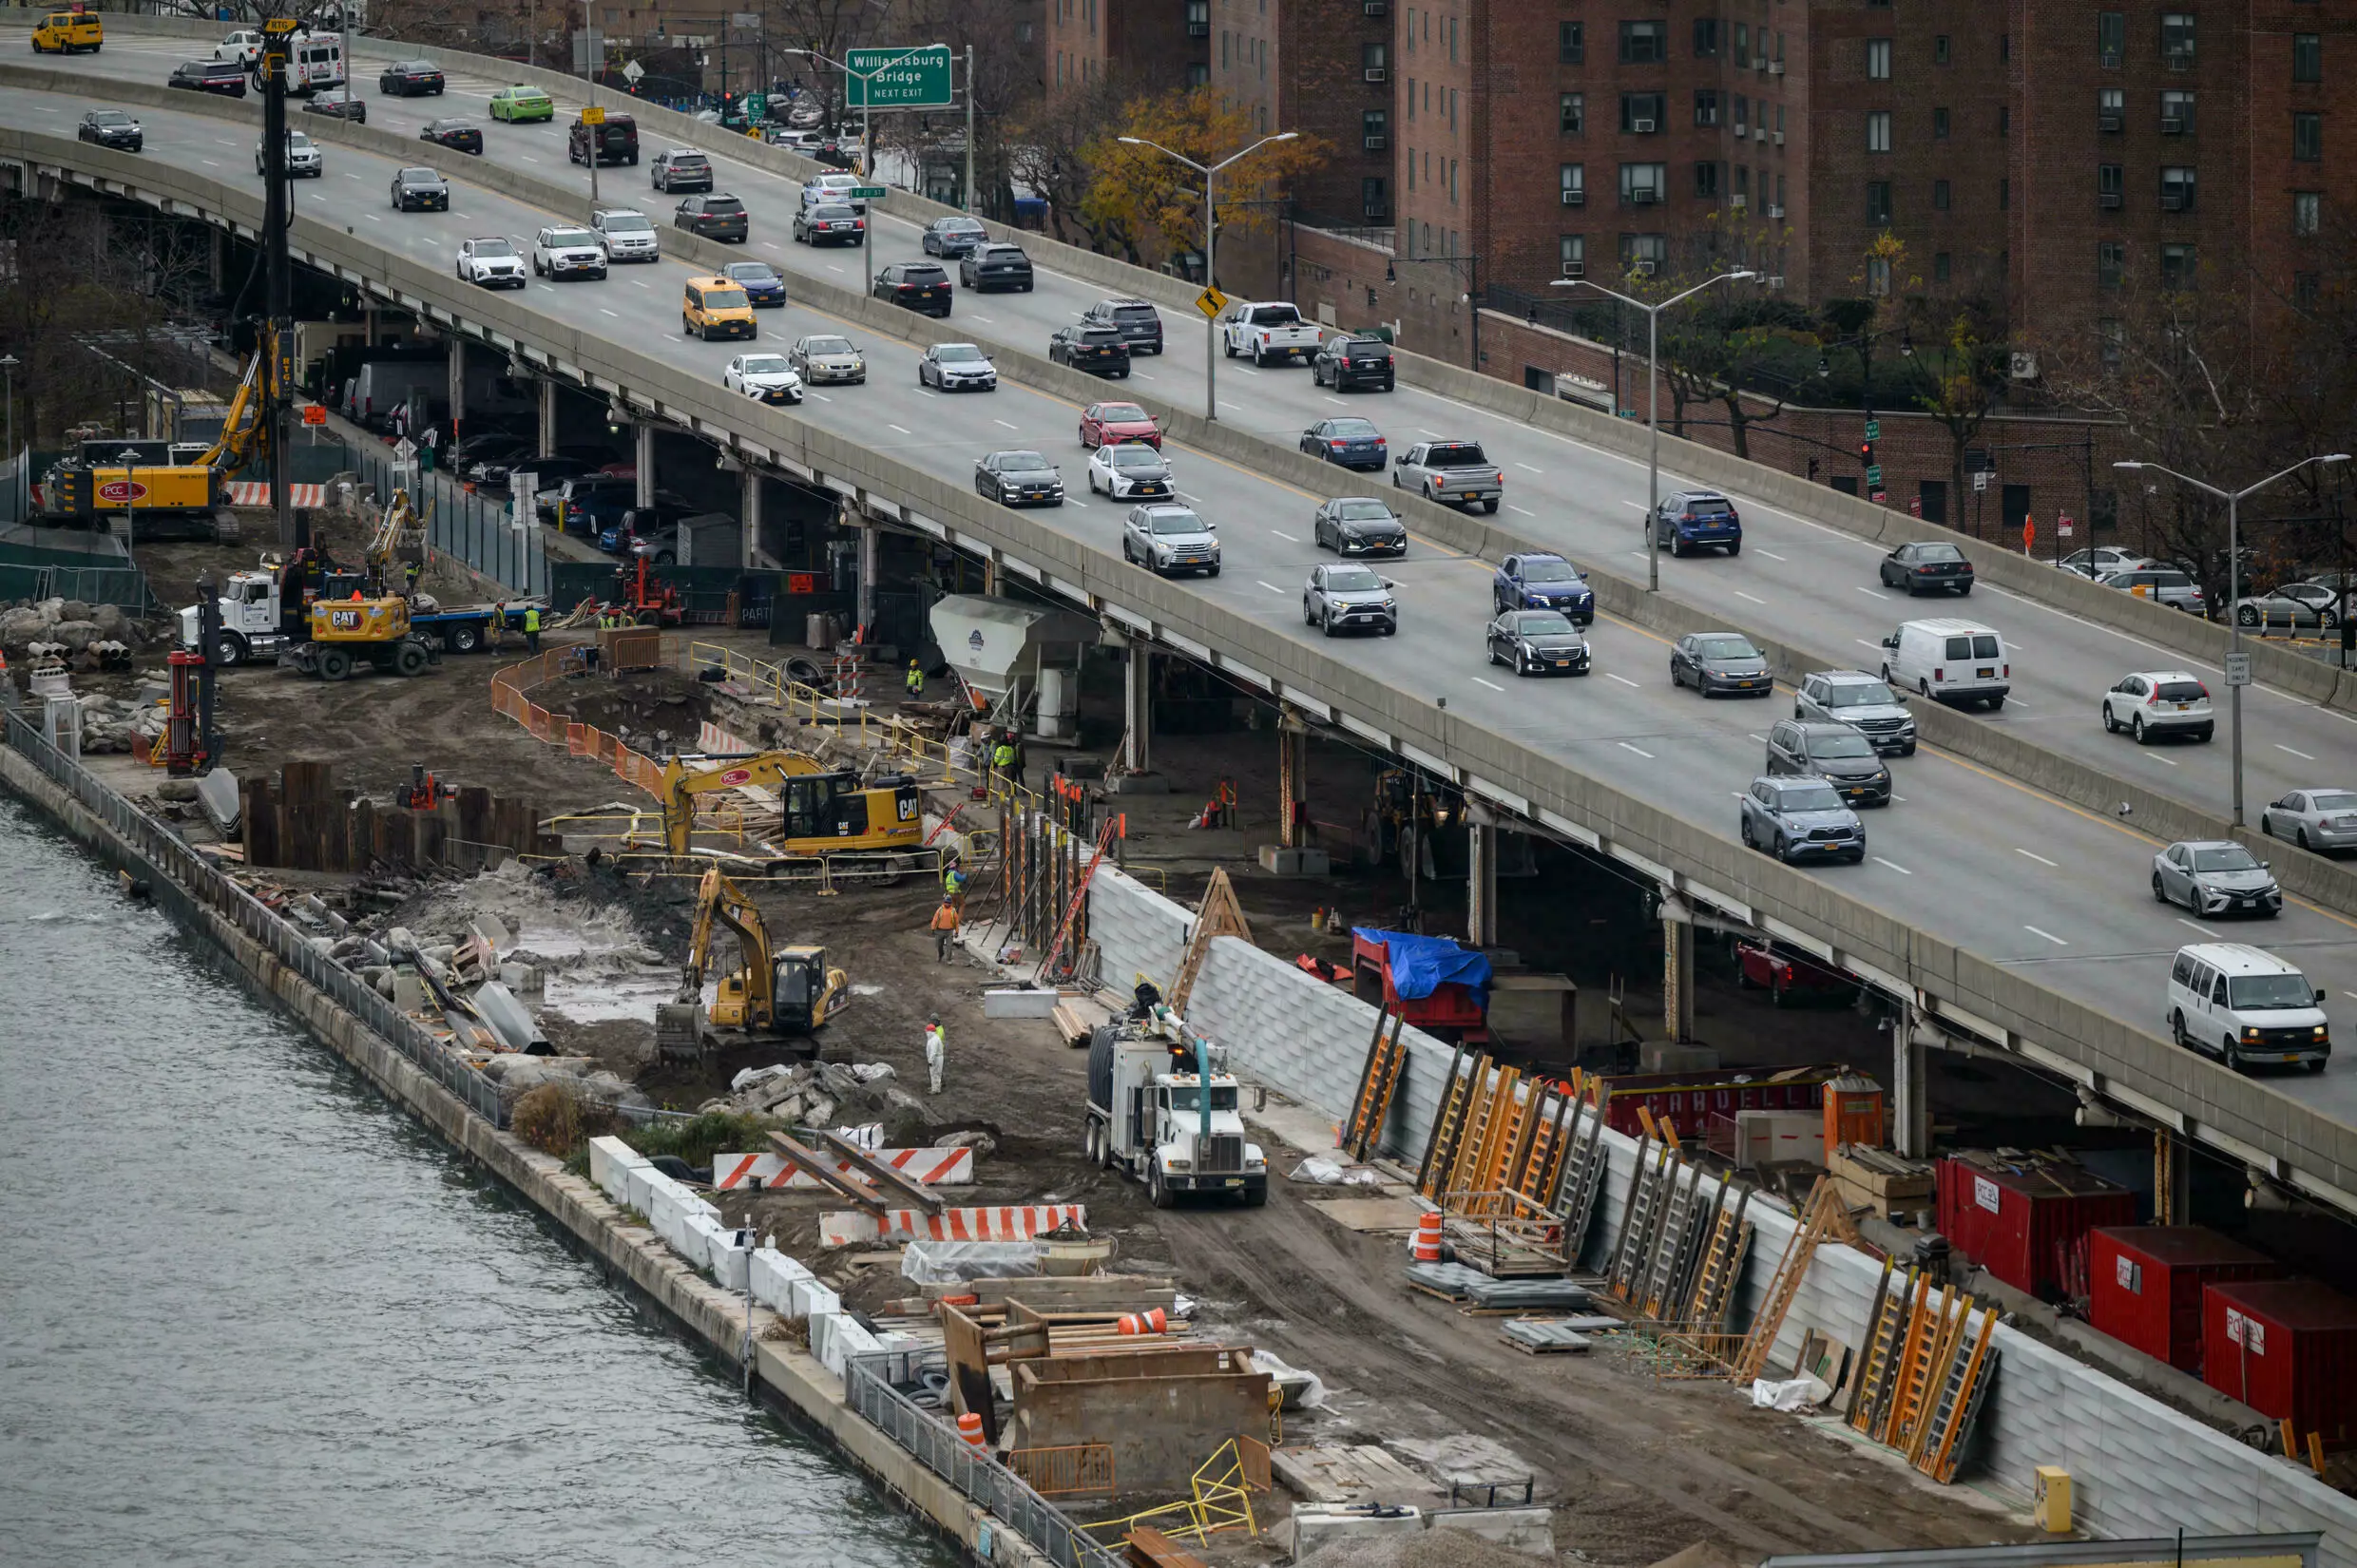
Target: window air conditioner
point(1644, 196)
point(1378, 8)
point(1642, 128)
point(2110, 60)
point(1775, 210)
point(1376, 144)
point(1738, 201)
point(1642, 269)
point(2173, 201)
point(1199, 29)
point(1760, 134)
point(2178, 59)
point(1575, 198)
point(2172, 125)
point(1376, 73)
point(2111, 125)
point(1575, 269)
point(1775, 282)
point(1776, 67)
point(1777, 137)
point(2113, 199)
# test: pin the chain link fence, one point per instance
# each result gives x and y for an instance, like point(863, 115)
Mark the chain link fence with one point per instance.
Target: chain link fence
point(186, 885)
point(868, 1388)
point(475, 526)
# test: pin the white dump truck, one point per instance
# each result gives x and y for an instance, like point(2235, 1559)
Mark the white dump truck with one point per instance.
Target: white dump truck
point(1161, 1107)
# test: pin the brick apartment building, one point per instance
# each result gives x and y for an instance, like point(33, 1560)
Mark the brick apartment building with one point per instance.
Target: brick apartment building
point(1156, 44)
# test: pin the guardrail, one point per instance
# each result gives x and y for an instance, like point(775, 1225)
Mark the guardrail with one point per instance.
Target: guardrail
point(977, 1475)
point(185, 881)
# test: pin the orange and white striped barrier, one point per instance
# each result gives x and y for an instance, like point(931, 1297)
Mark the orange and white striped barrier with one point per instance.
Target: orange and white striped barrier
point(713, 738)
point(1425, 1247)
point(1015, 1222)
point(247, 492)
point(1154, 1320)
point(933, 1166)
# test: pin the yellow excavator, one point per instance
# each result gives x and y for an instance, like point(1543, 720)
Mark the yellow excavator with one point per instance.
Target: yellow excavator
point(824, 811)
point(96, 484)
point(775, 994)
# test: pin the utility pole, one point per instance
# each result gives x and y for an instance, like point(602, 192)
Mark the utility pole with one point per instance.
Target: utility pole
point(970, 129)
point(277, 273)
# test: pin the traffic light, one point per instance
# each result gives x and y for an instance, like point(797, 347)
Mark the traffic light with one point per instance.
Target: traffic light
point(1866, 455)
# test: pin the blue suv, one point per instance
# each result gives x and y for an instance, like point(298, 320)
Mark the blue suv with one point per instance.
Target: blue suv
point(1697, 520)
point(1543, 582)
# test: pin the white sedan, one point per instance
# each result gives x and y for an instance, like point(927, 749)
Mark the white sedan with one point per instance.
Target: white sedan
point(767, 376)
point(1127, 470)
point(492, 262)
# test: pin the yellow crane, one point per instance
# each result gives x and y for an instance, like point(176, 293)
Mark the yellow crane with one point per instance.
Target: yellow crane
point(776, 992)
point(96, 485)
point(824, 811)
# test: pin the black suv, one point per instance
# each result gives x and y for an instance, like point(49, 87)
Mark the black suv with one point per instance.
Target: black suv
point(1098, 350)
point(680, 169)
point(410, 79)
point(1834, 753)
point(1140, 324)
point(719, 217)
point(616, 141)
point(915, 285)
point(1347, 362)
point(420, 190)
point(990, 267)
point(111, 128)
point(225, 77)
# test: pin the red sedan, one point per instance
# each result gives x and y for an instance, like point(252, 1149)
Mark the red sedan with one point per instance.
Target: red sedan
point(1788, 975)
point(1109, 423)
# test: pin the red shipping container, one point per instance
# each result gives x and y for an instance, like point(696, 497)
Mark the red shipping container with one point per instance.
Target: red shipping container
point(2144, 1284)
point(2023, 1219)
point(2288, 1349)
point(1693, 1103)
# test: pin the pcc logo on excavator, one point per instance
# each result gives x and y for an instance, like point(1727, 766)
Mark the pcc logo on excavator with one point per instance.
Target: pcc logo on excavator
point(122, 490)
point(737, 775)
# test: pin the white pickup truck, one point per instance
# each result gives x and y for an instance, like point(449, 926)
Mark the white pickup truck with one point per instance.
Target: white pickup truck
point(1263, 332)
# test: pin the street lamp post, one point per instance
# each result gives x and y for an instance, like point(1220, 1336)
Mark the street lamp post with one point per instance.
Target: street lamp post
point(2234, 500)
point(1211, 323)
point(16, 480)
point(867, 139)
point(1653, 403)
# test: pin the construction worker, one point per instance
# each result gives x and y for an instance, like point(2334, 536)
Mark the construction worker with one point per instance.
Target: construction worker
point(532, 628)
point(953, 882)
point(1002, 758)
point(936, 1051)
point(499, 625)
point(943, 927)
point(413, 569)
point(915, 681)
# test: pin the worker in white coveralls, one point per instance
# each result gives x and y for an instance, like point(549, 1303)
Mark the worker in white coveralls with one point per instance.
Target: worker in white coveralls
point(936, 1049)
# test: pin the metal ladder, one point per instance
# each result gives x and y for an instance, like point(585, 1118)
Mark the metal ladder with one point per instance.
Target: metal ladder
point(1722, 1261)
point(1449, 1126)
point(1378, 1082)
point(1678, 1218)
point(1884, 1320)
point(1959, 1403)
point(1826, 1214)
point(1636, 1226)
point(1582, 1175)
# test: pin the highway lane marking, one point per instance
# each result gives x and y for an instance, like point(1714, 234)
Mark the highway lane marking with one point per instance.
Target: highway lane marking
point(1769, 554)
point(831, 267)
point(1141, 375)
point(641, 282)
point(1864, 642)
point(1248, 369)
point(1626, 501)
point(1754, 598)
point(1528, 469)
point(2170, 761)
point(822, 397)
point(1286, 537)
point(1871, 593)
point(375, 218)
point(1893, 864)
point(2302, 756)
point(212, 162)
point(1518, 511)
point(1639, 750)
point(902, 428)
point(1434, 435)
point(1004, 422)
point(602, 311)
point(1761, 739)
point(349, 175)
point(1622, 679)
point(1492, 684)
point(2039, 858)
point(2205, 931)
point(1337, 402)
point(2048, 935)
point(1271, 587)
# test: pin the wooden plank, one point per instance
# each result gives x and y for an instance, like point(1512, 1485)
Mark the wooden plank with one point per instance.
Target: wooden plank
point(1150, 1548)
point(911, 1192)
point(822, 1167)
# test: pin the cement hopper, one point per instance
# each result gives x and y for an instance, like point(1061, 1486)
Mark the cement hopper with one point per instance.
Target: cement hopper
point(1001, 646)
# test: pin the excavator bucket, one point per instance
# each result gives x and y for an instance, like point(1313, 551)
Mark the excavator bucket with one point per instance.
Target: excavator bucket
point(679, 1031)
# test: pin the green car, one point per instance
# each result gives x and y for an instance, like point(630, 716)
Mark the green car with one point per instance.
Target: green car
point(517, 104)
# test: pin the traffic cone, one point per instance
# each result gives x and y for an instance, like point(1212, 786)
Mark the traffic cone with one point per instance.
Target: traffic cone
point(1151, 1322)
point(969, 1427)
point(1425, 1247)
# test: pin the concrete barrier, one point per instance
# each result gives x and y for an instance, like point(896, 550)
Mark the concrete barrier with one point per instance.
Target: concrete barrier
point(610, 1164)
point(774, 1278)
point(639, 1181)
point(725, 1253)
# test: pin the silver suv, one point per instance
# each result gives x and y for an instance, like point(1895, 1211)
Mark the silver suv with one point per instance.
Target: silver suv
point(628, 233)
point(1167, 538)
point(1861, 701)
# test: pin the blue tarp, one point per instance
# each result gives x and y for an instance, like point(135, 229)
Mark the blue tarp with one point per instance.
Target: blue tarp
point(1421, 964)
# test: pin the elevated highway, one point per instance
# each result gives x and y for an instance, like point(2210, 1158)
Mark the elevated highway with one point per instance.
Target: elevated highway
point(2002, 915)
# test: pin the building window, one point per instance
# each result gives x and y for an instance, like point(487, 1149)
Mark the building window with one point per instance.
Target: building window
point(2111, 38)
point(1931, 494)
point(1939, 124)
point(2110, 185)
point(2109, 336)
point(1572, 251)
point(1199, 74)
point(1575, 178)
point(1878, 130)
point(1642, 184)
point(1938, 196)
point(1939, 50)
point(1641, 113)
point(2308, 138)
point(2308, 57)
point(1371, 198)
point(2178, 268)
point(1199, 18)
point(1743, 182)
point(1878, 59)
point(2111, 265)
point(1372, 59)
point(1706, 180)
point(1644, 252)
point(1706, 107)
point(1743, 114)
point(1878, 201)
point(1706, 37)
point(1575, 113)
point(2176, 40)
point(2176, 114)
point(2307, 212)
point(1571, 43)
point(2177, 189)
point(2305, 287)
point(2004, 195)
point(1878, 276)
point(1374, 129)
point(2111, 109)
point(1644, 42)
point(1742, 55)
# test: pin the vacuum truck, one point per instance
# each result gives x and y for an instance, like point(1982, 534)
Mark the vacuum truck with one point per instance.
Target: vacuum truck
point(1162, 1108)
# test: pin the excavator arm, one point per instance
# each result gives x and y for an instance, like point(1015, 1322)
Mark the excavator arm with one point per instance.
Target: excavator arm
point(678, 1025)
point(245, 435)
point(682, 787)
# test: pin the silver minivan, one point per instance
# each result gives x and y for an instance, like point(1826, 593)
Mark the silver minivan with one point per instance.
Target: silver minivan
point(2247, 1007)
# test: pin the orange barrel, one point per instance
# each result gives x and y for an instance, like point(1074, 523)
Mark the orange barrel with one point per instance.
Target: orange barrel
point(1153, 1322)
point(969, 1427)
point(1425, 1247)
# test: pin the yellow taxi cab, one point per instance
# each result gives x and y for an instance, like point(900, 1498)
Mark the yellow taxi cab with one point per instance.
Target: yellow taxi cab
point(68, 32)
point(717, 307)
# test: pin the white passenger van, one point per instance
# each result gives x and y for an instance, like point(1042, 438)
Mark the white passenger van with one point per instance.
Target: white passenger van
point(2245, 1008)
point(1949, 660)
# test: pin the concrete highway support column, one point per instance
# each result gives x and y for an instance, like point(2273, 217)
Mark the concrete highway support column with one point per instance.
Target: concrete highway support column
point(643, 434)
point(2173, 1178)
point(1292, 777)
point(748, 518)
point(458, 388)
point(545, 429)
point(1480, 885)
point(1910, 1095)
point(870, 547)
point(1138, 708)
point(1677, 969)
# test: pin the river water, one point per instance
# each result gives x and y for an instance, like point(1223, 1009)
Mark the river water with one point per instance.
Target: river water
point(251, 1314)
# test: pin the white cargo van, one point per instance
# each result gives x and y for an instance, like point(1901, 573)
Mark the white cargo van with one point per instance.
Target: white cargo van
point(384, 385)
point(317, 61)
point(1948, 660)
point(2246, 1006)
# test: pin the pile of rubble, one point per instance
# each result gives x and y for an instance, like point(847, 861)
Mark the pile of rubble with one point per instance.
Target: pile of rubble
point(120, 723)
point(818, 1094)
point(78, 633)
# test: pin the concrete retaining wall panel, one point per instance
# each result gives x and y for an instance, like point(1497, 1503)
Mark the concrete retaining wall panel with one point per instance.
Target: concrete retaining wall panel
point(1138, 931)
point(641, 1181)
point(718, 1250)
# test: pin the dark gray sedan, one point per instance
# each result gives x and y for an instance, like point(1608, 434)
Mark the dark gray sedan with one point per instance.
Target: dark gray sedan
point(1801, 820)
point(2215, 877)
point(1357, 524)
point(1720, 661)
point(1019, 479)
point(1538, 642)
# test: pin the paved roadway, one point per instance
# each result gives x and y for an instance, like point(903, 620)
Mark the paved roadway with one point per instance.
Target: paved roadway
point(1974, 858)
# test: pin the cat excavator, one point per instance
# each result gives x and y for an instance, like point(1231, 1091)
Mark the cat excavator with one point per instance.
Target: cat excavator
point(873, 829)
point(775, 994)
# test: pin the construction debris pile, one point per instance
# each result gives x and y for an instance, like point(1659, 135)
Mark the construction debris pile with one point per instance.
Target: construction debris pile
point(123, 724)
point(820, 1094)
point(69, 629)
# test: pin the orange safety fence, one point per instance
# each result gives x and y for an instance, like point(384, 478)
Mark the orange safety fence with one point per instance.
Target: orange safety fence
point(509, 686)
point(1084, 1469)
point(1253, 1454)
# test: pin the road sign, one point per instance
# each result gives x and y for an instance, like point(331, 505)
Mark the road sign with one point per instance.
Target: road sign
point(2029, 535)
point(405, 450)
point(1980, 481)
point(2238, 669)
point(1211, 302)
point(869, 193)
point(2063, 525)
point(632, 71)
point(899, 79)
point(1874, 477)
point(1873, 430)
point(314, 413)
point(757, 106)
point(593, 116)
point(1878, 496)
